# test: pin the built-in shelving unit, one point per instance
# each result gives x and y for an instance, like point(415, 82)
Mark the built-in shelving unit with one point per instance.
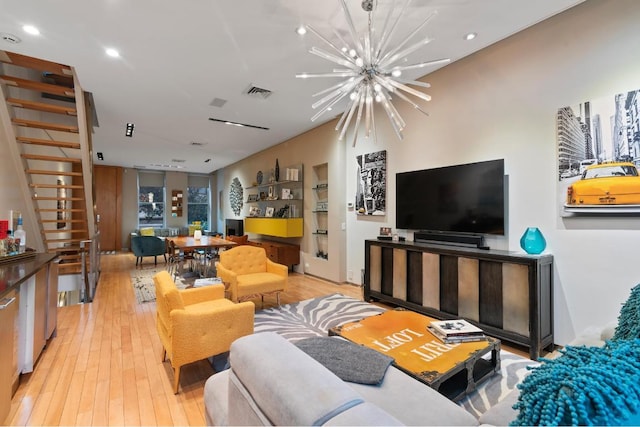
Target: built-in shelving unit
point(275, 208)
point(176, 203)
point(321, 210)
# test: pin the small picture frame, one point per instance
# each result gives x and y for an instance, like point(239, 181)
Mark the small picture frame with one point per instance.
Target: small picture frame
point(263, 195)
point(252, 198)
point(385, 231)
point(286, 194)
point(254, 211)
point(268, 212)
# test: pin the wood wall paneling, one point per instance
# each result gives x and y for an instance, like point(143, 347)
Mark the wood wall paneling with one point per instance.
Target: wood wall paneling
point(490, 297)
point(387, 271)
point(375, 268)
point(449, 284)
point(468, 288)
point(515, 298)
point(431, 280)
point(108, 183)
point(414, 277)
point(400, 274)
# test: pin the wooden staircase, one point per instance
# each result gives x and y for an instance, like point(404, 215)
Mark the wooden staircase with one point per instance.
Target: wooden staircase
point(48, 116)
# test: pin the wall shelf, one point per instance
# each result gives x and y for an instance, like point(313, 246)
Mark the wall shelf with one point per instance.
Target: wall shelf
point(276, 208)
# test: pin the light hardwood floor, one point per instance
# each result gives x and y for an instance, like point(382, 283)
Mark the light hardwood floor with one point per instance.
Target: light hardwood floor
point(104, 366)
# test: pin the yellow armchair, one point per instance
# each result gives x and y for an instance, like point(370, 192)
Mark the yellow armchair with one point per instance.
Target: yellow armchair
point(197, 323)
point(250, 273)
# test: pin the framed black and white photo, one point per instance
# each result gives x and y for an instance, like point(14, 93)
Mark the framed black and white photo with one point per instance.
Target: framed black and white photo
point(371, 193)
point(268, 212)
point(254, 211)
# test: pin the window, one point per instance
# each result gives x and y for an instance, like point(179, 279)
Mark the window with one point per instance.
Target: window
point(198, 200)
point(150, 199)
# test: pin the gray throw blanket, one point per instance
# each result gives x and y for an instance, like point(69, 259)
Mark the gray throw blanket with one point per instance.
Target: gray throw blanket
point(350, 362)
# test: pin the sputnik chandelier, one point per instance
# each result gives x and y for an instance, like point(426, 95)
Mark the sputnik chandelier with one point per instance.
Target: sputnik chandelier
point(373, 72)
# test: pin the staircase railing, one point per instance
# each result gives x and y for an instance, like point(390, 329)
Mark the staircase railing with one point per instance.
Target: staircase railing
point(90, 251)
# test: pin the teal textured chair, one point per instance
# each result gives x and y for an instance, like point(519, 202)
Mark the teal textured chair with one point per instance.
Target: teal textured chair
point(143, 246)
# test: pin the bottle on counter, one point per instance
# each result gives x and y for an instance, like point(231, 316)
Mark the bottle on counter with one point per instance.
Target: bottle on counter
point(22, 235)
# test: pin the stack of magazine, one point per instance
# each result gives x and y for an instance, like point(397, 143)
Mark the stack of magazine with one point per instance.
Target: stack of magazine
point(456, 331)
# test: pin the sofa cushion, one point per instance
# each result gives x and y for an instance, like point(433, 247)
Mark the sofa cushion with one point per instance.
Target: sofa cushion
point(410, 400)
point(289, 387)
point(628, 327)
point(585, 386)
point(216, 395)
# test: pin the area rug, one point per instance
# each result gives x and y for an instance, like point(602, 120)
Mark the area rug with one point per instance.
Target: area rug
point(144, 288)
point(314, 317)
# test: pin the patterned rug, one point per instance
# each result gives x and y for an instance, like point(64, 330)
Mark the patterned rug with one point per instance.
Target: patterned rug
point(314, 317)
point(143, 287)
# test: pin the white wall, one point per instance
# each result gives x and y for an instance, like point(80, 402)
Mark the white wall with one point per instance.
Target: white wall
point(502, 103)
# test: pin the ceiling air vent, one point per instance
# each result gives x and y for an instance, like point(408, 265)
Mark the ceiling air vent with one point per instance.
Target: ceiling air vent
point(177, 161)
point(197, 144)
point(258, 92)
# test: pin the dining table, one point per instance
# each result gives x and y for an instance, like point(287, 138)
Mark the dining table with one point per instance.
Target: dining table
point(204, 242)
point(207, 247)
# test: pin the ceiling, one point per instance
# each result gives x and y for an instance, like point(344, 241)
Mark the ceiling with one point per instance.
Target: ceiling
point(177, 57)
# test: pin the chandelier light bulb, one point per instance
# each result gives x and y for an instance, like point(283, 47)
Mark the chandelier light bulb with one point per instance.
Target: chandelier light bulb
point(370, 67)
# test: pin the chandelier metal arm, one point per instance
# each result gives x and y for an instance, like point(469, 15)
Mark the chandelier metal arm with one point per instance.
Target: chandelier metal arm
point(350, 63)
point(384, 41)
point(358, 118)
point(413, 104)
point(313, 75)
point(348, 119)
point(352, 28)
point(393, 120)
point(388, 61)
point(422, 64)
point(409, 90)
point(333, 46)
point(340, 92)
point(376, 48)
point(393, 51)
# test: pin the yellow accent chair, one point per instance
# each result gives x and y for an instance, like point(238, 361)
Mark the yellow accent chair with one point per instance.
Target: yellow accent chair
point(197, 323)
point(249, 273)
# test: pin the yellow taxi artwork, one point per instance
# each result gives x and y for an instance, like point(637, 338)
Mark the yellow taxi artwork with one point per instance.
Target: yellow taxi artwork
point(605, 188)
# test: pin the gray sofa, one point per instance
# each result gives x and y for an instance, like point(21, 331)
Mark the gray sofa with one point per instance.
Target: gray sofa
point(273, 382)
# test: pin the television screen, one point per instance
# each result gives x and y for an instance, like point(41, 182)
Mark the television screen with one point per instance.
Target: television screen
point(466, 198)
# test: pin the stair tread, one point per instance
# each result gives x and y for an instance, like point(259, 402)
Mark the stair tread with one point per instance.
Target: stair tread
point(51, 158)
point(38, 86)
point(35, 63)
point(48, 142)
point(45, 125)
point(51, 172)
point(42, 106)
point(71, 186)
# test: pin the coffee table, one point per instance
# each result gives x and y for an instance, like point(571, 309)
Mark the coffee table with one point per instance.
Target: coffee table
point(454, 370)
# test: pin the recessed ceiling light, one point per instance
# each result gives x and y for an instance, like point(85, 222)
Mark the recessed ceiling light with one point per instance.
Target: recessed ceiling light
point(30, 29)
point(301, 30)
point(112, 53)
point(470, 36)
point(129, 130)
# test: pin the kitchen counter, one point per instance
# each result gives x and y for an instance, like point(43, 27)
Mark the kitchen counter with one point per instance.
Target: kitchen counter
point(14, 273)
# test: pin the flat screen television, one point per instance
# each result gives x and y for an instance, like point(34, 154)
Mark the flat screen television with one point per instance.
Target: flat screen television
point(467, 198)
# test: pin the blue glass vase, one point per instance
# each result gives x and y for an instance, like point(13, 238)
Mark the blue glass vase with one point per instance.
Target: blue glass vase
point(532, 241)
